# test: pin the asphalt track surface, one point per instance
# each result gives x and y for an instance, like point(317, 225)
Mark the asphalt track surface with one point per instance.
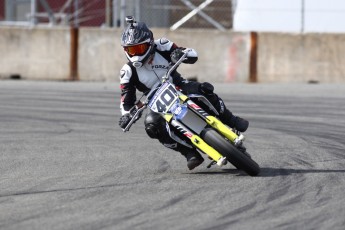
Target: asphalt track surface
point(65, 163)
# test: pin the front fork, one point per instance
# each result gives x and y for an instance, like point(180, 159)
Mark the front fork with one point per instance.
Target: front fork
point(197, 141)
point(225, 131)
point(200, 143)
point(216, 124)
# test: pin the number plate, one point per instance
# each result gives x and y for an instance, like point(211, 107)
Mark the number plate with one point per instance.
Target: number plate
point(179, 110)
point(164, 98)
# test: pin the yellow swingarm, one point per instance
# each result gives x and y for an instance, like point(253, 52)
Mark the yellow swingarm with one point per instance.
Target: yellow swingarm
point(223, 129)
point(203, 146)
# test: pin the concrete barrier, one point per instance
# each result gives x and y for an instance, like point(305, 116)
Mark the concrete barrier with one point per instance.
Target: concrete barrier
point(100, 55)
point(301, 57)
point(223, 56)
point(47, 54)
point(35, 53)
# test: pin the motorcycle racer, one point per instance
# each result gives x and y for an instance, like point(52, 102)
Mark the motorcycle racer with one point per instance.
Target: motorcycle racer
point(148, 61)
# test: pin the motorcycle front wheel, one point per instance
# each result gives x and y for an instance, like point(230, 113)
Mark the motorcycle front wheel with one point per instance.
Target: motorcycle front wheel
point(232, 154)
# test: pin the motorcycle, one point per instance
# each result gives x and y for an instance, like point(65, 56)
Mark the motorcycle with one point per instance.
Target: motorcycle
point(189, 124)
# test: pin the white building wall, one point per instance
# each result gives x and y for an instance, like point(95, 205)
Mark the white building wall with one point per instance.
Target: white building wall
point(290, 15)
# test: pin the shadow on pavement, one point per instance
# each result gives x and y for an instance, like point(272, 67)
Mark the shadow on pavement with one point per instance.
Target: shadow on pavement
point(267, 172)
point(272, 172)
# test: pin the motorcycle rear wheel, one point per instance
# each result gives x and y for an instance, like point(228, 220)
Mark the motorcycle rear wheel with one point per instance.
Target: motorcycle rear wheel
point(232, 154)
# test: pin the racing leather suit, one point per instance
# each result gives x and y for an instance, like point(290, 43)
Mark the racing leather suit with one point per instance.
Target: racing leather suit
point(145, 77)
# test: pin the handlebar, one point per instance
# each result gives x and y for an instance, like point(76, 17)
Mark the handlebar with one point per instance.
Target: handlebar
point(166, 77)
point(139, 110)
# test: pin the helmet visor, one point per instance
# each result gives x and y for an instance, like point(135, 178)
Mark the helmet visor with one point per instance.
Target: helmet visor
point(137, 50)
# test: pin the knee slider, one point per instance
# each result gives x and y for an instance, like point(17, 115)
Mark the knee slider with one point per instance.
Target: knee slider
point(154, 125)
point(206, 88)
point(152, 131)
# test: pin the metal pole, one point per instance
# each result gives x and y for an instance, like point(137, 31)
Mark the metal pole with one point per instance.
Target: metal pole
point(108, 13)
point(74, 75)
point(137, 10)
point(233, 11)
point(115, 14)
point(205, 16)
point(302, 15)
point(253, 60)
point(191, 14)
point(33, 19)
point(123, 13)
point(76, 9)
point(49, 11)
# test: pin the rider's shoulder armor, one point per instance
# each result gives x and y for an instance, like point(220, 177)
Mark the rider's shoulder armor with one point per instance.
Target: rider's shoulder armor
point(163, 44)
point(125, 74)
point(129, 77)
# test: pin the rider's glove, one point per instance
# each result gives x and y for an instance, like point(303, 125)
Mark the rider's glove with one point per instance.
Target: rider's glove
point(124, 120)
point(176, 55)
point(206, 88)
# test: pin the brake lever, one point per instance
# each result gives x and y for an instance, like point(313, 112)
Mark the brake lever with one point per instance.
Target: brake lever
point(135, 117)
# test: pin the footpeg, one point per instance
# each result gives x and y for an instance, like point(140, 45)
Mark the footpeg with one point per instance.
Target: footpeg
point(239, 140)
point(222, 161)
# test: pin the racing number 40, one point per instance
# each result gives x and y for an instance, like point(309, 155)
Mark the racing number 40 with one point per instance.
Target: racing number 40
point(165, 100)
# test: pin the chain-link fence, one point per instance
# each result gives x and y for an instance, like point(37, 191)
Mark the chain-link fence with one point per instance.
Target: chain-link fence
point(54, 12)
point(156, 13)
point(182, 13)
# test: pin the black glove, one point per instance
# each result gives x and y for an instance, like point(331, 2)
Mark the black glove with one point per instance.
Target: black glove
point(206, 88)
point(176, 55)
point(124, 120)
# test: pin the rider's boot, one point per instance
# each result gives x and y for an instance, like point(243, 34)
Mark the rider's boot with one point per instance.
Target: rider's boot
point(194, 159)
point(225, 115)
point(233, 121)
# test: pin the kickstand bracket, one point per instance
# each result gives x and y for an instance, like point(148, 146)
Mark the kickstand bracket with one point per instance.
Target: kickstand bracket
point(212, 163)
